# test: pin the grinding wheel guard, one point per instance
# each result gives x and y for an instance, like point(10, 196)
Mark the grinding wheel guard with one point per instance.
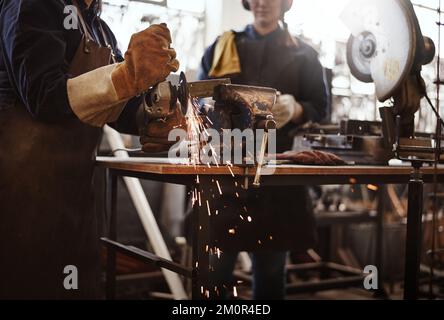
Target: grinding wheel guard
point(384, 42)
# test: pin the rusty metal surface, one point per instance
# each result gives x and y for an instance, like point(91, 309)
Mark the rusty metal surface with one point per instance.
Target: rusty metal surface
point(258, 100)
point(205, 89)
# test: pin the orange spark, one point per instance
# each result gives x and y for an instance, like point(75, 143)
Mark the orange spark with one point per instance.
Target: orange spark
point(231, 171)
point(218, 187)
point(208, 207)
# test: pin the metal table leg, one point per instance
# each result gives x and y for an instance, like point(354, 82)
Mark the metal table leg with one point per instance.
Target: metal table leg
point(414, 236)
point(111, 253)
point(382, 193)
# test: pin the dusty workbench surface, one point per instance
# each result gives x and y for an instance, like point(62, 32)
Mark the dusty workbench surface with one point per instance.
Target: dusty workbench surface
point(165, 166)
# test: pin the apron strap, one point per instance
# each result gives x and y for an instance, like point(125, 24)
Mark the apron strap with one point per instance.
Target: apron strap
point(88, 34)
point(84, 26)
point(107, 42)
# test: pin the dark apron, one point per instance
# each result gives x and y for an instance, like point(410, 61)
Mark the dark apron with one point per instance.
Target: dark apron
point(47, 219)
point(282, 216)
point(281, 219)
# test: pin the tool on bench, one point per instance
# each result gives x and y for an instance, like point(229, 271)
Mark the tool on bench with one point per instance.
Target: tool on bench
point(386, 47)
point(163, 98)
point(236, 106)
point(247, 107)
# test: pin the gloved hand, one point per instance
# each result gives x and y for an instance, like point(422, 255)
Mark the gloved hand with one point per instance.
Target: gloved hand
point(287, 109)
point(154, 132)
point(148, 61)
point(98, 97)
point(311, 158)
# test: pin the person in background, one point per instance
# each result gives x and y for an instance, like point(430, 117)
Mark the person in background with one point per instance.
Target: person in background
point(265, 54)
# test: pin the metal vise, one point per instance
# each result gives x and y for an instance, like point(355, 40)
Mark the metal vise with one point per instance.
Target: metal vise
point(236, 106)
point(164, 97)
point(244, 107)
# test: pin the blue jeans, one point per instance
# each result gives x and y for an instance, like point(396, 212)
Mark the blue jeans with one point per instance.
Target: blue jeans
point(269, 274)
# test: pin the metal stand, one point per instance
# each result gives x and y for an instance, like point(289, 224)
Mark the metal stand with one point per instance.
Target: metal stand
point(199, 273)
point(349, 277)
point(146, 216)
point(382, 191)
point(414, 232)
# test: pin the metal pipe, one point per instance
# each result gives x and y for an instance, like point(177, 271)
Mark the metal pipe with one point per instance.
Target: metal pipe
point(437, 157)
point(146, 216)
point(414, 235)
point(148, 257)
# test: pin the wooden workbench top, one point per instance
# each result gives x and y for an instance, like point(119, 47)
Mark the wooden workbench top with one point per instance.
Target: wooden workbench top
point(164, 166)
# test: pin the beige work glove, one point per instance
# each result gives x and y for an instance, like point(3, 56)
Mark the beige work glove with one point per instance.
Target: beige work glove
point(98, 97)
point(287, 109)
point(314, 157)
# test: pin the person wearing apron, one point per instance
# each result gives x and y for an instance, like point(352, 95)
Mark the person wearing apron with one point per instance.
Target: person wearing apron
point(58, 87)
point(264, 54)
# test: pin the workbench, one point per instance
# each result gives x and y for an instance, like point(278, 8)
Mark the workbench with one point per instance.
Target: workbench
point(203, 178)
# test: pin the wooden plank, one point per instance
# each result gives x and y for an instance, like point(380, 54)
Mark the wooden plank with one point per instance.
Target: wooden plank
point(163, 166)
point(166, 168)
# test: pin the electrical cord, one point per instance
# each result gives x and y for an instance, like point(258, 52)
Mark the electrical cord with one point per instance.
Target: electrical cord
point(434, 109)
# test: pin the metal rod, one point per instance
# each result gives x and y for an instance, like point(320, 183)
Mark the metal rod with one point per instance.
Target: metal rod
point(381, 195)
point(257, 178)
point(435, 111)
point(148, 257)
point(111, 253)
point(437, 159)
point(325, 285)
point(413, 239)
point(427, 7)
point(429, 150)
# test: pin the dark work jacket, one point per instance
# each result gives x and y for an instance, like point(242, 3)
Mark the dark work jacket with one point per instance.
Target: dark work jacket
point(38, 52)
point(267, 62)
point(282, 217)
point(47, 221)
